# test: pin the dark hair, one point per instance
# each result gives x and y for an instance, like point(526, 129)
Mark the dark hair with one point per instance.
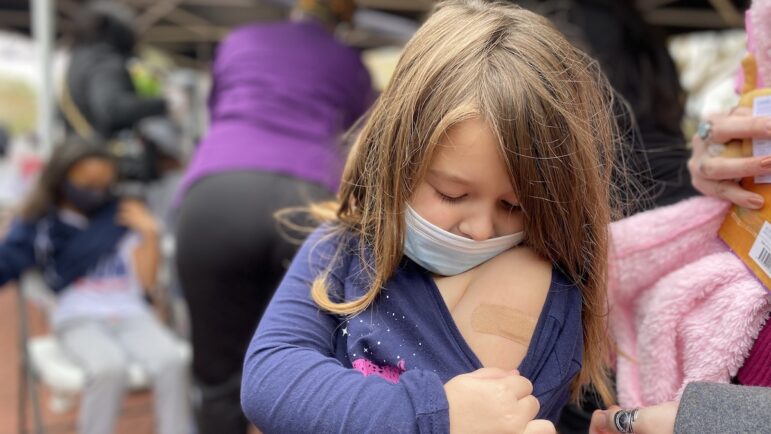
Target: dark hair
point(632, 54)
point(634, 57)
point(47, 192)
point(105, 22)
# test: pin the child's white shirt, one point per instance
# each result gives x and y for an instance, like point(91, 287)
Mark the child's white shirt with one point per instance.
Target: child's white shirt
point(110, 289)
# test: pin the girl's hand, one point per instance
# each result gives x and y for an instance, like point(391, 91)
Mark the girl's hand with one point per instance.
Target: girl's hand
point(717, 176)
point(491, 400)
point(134, 215)
point(657, 419)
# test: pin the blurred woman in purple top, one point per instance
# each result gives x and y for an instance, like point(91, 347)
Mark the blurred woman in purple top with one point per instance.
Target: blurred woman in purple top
point(283, 94)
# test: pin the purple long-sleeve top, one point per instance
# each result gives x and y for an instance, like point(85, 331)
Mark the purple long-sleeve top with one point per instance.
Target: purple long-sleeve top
point(282, 95)
point(383, 371)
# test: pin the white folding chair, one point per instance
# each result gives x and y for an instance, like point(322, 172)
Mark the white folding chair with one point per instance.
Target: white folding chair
point(44, 361)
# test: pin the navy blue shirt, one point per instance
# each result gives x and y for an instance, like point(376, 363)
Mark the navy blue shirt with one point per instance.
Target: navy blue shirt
point(64, 252)
point(303, 370)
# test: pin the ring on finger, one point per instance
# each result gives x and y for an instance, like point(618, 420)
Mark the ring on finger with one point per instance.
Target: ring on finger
point(624, 420)
point(705, 131)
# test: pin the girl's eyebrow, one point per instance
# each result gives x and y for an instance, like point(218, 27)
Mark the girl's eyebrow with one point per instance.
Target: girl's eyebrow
point(450, 177)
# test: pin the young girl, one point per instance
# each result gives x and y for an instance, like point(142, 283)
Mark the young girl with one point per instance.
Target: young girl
point(99, 255)
point(494, 132)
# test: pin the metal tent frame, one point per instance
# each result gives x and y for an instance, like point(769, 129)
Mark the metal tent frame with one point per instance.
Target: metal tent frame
point(194, 26)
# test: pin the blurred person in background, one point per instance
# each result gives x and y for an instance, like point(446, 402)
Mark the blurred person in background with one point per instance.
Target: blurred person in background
point(97, 78)
point(102, 103)
point(634, 57)
point(282, 96)
point(100, 255)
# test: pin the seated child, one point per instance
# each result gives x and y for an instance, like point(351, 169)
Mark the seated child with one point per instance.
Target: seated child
point(99, 255)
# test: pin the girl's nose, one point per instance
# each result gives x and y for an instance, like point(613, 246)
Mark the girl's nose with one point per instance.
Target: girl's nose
point(479, 227)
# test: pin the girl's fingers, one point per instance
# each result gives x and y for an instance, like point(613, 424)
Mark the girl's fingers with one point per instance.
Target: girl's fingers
point(490, 373)
point(539, 426)
point(521, 386)
point(529, 406)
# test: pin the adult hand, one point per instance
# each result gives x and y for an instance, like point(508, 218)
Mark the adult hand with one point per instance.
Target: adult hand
point(718, 176)
point(491, 400)
point(657, 419)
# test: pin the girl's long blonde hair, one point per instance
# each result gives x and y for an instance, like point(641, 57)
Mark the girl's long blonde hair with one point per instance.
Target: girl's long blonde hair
point(550, 108)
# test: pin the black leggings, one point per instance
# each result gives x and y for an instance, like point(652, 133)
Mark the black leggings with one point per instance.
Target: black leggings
point(230, 258)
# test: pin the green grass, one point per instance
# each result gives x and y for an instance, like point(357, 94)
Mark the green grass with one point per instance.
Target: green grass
point(18, 106)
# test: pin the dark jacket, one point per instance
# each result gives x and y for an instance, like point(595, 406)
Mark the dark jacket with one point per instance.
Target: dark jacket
point(61, 251)
point(634, 57)
point(101, 88)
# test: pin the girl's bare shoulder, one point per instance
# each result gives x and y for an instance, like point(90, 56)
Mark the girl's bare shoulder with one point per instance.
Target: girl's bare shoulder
point(519, 272)
point(499, 310)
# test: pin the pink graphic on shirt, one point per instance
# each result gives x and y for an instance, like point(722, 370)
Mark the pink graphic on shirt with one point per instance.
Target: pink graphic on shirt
point(388, 372)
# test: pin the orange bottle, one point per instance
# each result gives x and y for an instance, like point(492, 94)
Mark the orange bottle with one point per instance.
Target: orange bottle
point(748, 232)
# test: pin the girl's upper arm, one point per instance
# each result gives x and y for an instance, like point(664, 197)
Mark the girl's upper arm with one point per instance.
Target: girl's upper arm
point(522, 280)
point(293, 383)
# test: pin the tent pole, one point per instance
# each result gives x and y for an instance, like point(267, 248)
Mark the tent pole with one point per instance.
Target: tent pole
point(43, 32)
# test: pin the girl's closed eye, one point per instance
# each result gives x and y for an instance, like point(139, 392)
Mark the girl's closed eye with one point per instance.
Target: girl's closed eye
point(448, 198)
point(510, 207)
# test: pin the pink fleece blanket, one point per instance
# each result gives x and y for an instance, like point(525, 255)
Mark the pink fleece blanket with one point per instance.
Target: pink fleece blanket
point(684, 308)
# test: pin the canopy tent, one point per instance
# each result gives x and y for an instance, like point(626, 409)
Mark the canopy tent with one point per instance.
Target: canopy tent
point(189, 29)
point(192, 27)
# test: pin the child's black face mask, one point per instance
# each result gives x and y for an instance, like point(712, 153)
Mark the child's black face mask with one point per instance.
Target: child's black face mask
point(87, 200)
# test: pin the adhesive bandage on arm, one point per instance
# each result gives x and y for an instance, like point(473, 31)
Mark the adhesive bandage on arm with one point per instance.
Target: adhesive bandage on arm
point(504, 322)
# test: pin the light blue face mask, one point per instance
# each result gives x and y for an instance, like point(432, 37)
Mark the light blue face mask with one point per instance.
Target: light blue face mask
point(445, 253)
